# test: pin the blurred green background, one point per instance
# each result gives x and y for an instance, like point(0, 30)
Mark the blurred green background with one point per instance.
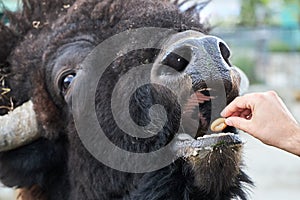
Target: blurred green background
point(263, 35)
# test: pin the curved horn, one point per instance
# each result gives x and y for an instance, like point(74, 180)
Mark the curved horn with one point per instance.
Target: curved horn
point(18, 127)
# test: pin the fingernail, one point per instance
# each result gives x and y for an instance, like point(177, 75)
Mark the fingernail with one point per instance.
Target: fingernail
point(222, 113)
point(228, 122)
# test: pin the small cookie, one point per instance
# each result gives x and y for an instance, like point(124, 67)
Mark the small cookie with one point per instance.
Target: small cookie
point(218, 125)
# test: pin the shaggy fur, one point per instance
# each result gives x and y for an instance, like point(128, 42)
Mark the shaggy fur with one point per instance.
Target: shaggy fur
point(35, 42)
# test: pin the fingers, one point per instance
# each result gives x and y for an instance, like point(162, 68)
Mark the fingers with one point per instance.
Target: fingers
point(240, 123)
point(242, 105)
point(238, 105)
point(246, 114)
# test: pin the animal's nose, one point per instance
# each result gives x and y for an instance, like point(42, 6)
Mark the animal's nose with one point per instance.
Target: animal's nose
point(202, 57)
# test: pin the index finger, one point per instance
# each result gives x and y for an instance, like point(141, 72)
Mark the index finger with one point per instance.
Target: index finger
point(239, 104)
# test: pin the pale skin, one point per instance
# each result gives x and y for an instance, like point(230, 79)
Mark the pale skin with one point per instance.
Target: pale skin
point(265, 116)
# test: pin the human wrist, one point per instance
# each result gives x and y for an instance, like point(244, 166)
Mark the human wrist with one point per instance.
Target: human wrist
point(293, 144)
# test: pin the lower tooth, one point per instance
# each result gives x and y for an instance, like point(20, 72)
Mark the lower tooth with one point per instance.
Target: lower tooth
point(214, 135)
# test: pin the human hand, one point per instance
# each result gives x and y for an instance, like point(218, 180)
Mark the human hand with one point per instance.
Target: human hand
point(265, 116)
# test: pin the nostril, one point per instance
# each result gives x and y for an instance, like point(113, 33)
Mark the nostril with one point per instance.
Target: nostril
point(177, 60)
point(225, 52)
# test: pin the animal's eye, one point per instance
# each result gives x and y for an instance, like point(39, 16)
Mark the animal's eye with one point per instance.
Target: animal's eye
point(66, 81)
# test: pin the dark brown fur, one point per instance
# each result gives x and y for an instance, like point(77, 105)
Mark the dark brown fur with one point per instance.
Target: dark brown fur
point(58, 163)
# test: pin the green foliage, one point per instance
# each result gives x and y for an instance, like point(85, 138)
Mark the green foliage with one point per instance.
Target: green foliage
point(280, 46)
point(250, 11)
point(248, 15)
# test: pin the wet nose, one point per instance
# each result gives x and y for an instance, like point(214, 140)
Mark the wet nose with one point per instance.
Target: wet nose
point(194, 54)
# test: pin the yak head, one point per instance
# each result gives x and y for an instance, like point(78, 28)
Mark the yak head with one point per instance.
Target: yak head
point(144, 64)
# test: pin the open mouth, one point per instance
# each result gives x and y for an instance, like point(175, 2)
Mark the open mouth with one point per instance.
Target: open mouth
point(196, 117)
point(197, 111)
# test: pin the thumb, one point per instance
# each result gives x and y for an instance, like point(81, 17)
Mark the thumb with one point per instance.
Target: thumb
point(238, 122)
